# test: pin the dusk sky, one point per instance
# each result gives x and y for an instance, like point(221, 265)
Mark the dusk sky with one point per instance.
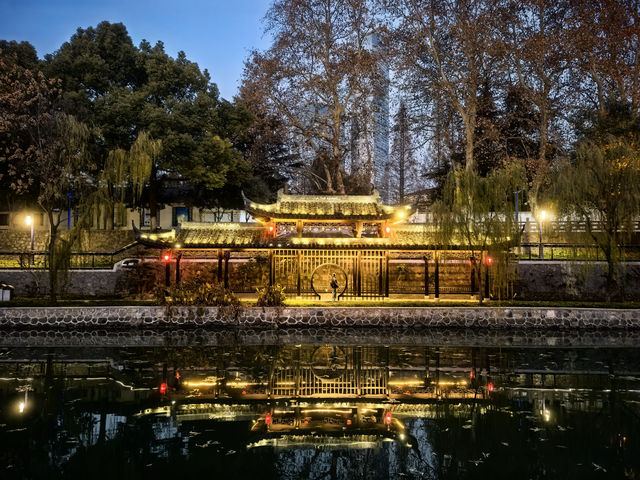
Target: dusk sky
point(217, 34)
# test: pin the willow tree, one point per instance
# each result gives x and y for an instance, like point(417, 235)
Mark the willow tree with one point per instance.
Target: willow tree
point(126, 172)
point(600, 186)
point(478, 214)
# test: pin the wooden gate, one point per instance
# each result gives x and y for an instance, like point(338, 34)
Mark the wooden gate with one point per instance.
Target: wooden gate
point(307, 273)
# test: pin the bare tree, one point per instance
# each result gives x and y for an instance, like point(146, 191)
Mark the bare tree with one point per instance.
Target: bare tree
point(317, 74)
point(605, 42)
point(446, 50)
point(536, 41)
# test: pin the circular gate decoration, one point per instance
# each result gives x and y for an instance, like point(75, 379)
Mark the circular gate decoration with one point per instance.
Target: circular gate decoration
point(321, 276)
point(328, 363)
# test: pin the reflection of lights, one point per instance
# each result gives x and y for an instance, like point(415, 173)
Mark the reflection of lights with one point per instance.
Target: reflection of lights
point(21, 407)
point(406, 382)
point(402, 436)
point(414, 383)
point(547, 415)
point(200, 384)
point(237, 384)
point(323, 410)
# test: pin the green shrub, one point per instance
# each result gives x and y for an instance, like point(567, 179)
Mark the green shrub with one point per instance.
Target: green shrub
point(196, 292)
point(271, 296)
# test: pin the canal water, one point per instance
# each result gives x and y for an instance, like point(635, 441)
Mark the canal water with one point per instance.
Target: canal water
point(319, 404)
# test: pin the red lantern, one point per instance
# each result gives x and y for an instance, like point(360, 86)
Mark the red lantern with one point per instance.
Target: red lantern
point(163, 388)
point(387, 418)
point(267, 419)
point(489, 261)
point(490, 386)
point(167, 257)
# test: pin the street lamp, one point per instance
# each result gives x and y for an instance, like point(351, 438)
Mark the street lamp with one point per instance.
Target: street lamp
point(543, 216)
point(29, 221)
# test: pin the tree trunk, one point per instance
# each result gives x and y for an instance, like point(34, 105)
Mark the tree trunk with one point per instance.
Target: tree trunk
point(53, 260)
point(153, 198)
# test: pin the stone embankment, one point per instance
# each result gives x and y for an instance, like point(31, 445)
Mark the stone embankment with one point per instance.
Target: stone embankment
point(77, 318)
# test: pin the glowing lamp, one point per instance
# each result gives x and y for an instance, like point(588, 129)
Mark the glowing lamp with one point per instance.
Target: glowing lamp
point(167, 257)
point(388, 230)
point(28, 220)
point(490, 386)
point(349, 422)
point(387, 418)
point(471, 374)
point(267, 419)
point(489, 261)
point(163, 388)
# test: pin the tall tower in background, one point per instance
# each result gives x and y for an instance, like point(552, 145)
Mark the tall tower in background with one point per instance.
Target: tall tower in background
point(369, 152)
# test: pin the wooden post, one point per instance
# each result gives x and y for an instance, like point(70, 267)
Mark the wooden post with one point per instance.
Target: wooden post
point(270, 268)
point(472, 261)
point(486, 281)
point(386, 275)
point(359, 282)
point(380, 286)
point(219, 265)
point(358, 231)
point(227, 254)
point(426, 275)
point(178, 258)
point(437, 275)
point(298, 263)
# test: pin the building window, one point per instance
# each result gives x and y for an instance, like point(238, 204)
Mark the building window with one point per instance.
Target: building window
point(145, 217)
point(180, 215)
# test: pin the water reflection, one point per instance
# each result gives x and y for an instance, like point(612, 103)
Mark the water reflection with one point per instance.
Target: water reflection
point(318, 411)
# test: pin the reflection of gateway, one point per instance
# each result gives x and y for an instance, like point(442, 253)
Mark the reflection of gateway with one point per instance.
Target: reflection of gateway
point(314, 425)
point(331, 371)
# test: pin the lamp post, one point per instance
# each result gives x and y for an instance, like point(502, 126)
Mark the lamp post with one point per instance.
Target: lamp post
point(29, 221)
point(543, 216)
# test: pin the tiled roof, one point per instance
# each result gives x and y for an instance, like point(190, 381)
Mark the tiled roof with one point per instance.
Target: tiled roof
point(251, 235)
point(328, 207)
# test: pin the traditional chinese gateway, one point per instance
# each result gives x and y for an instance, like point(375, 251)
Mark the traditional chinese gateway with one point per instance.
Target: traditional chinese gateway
point(304, 239)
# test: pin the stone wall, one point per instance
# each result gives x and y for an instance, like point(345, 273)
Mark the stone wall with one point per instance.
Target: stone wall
point(563, 280)
point(80, 282)
point(90, 241)
point(255, 317)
